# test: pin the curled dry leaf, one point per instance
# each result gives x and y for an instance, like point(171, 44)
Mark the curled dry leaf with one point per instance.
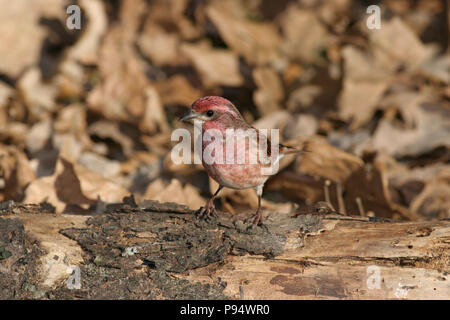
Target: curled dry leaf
point(94, 185)
point(140, 159)
point(158, 144)
point(300, 126)
point(15, 132)
point(398, 41)
point(326, 161)
point(303, 97)
point(257, 42)
point(72, 120)
point(423, 189)
point(174, 192)
point(139, 170)
point(161, 47)
point(86, 48)
point(21, 17)
point(359, 100)
point(15, 173)
point(39, 135)
point(292, 73)
point(109, 169)
point(372, 64)
point(177, 90)
point(70, 80)
point(38, 96)
point(216, 66)
point(364, 85)
point(333, 13)
point(106, 129)
point(154, 119)
point(407, 103)
point(5, 93)
point(172, 13)
point(43, 190)
point(438, 69)
point(270, 90)
point(304, 35)
point(73, 184)
point(67, 147)
point(433, 202)
point(275, 120)
point(432, 129)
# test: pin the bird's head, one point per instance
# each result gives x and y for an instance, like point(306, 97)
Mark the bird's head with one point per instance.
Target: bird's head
point(211, 108)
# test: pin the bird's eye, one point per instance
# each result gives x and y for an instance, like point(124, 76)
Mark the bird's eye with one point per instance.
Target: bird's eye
point(210, 113)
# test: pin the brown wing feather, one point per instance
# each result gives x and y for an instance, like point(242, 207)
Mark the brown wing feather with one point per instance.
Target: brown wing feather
point(282, 148)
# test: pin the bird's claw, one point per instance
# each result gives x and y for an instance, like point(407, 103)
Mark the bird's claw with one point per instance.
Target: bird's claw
point(206, 212)
point(255, 220)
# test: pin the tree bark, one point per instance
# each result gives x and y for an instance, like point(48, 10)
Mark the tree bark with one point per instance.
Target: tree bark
point(162, 251)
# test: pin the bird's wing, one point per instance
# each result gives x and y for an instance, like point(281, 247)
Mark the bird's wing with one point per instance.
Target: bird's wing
point(282, 148)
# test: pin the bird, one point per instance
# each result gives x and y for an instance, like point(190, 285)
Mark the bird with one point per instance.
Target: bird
point(219, 114)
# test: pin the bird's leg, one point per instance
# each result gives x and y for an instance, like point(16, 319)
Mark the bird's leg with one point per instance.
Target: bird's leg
point(258, 214)
point(209, 209)
point(257, 217)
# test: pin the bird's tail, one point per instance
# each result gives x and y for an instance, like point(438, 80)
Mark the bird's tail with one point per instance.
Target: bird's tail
point(284, 149)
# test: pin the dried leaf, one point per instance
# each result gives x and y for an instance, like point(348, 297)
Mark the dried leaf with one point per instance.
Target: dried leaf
point(15, 173)
point(300, 126)
point(174, 192)
point(270, 90)
point(216, 66)
point(328, 162)
point(154, 119)
point(86, 48)
point(275, 120)
point(21, 17)
point(107, 168)
point(177, 90)
point(400, 43)
point(304, 35)
point(161, 47)
point(73, 184)
point(432, 129)
point(38, 96)
point(39, 135)
point(106, 129)
point(257, 42)
point(364, 86)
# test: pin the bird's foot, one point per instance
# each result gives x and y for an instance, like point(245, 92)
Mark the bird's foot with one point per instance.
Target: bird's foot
point(207, 211)
point(255, 220)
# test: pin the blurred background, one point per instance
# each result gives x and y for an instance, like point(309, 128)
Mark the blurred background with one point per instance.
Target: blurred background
point(87, 114)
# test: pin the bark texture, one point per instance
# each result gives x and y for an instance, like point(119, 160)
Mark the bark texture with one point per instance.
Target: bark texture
point(161, 251)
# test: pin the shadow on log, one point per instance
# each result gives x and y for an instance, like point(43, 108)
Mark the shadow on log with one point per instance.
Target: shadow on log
point(162, 251)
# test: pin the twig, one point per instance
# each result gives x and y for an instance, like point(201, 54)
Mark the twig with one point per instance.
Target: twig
point(340, 199)
point(360, 206)
point(326, 190)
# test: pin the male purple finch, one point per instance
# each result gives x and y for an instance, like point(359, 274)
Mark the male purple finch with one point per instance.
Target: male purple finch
point(217, 114)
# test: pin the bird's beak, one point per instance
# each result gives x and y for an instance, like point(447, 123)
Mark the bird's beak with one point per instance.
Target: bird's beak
point(191, 114)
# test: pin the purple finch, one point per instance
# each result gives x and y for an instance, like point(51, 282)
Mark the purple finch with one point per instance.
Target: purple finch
point(220, 116)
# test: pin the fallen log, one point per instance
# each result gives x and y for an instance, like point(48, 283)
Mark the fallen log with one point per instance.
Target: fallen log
point(162, 251)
